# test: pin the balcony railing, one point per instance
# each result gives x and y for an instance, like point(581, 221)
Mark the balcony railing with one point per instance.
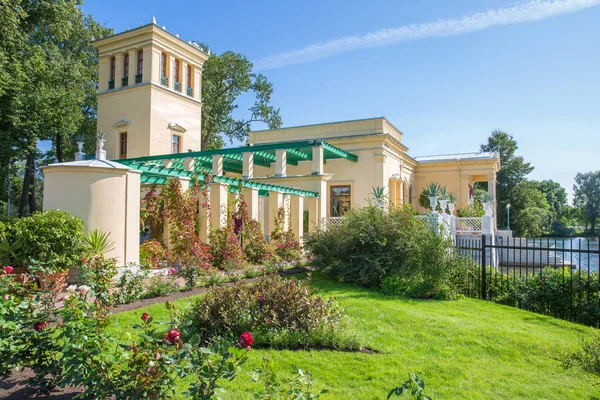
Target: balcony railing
point(111, 84)
point(190, 91)
point(124, 81)
point(177, 86)
point(164, 81)
point(138, 78)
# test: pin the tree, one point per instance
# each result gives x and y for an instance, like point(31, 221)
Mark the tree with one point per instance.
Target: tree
point(54, 80)
point(586, 197)
point(513, 171)
point(225, 78)
point(529, 210)
point(556, 196)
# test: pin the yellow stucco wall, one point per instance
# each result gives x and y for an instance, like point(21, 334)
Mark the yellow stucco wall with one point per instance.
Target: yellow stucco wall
point(104, 198)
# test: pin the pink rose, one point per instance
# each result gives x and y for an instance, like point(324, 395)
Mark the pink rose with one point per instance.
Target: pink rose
point(8, 269)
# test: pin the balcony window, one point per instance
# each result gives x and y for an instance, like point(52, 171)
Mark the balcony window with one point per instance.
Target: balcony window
point(111, 84)
point(140, 62)
point(126, 66)
point(138, 78)
point(124, 81)
point(111, 80)
point(164, 81)
point(188, 81)
point(177, 86)
point(163, 66)
point(190, 92)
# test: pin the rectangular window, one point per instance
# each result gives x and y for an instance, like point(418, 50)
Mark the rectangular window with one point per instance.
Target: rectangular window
point(126, 66)
point(189, 76)
point(140, 62)
point(340, 200)
point(123, 145)
point(176, 144)
point(163, 65)
point(113, 65)
point(177, 77)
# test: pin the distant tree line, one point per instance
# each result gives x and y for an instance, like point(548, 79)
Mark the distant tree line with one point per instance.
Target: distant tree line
point(540, 207)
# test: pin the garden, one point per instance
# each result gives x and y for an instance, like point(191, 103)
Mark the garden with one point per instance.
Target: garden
point(376, 307)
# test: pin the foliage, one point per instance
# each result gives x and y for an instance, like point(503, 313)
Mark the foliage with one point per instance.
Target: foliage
point(225, 247)
point(300, 387)
point(131, 286)
point(97, 243)
point(50, 93)
point(152, 254)
point(434, 189)
point(529, 210)
point(192, 273)
point(587, 357)
point(256, 248)
point(225, 78)
point(275, 307)
point(98, 273)
point(513, 171)
point(475, 209)
point(556, 197)
point(486, 197)
point(286, 246)
point(559, 229)
point(586, 196)
point(413, 387)
point(161, 285)
point(558, 292)
point(53, 238)
point(373, 247)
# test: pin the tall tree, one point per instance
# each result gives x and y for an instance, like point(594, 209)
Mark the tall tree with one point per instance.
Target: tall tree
point(225, 78)
point(556, 196)
point(513, 170)
point(529, 210)
point(53, 82)
point(586, 197)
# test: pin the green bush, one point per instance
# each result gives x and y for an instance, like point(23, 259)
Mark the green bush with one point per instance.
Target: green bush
point(282, 313)
point(98, 272)
point(374, 246)
point(53, 238)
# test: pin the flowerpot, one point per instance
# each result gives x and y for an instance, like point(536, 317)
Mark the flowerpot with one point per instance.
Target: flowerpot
point(488, 208)
point(451, 208)
point(55, 282)
point(443, 204)
point(432, 202)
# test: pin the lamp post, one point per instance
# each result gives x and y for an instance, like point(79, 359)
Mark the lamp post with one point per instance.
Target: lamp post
point(508, 217)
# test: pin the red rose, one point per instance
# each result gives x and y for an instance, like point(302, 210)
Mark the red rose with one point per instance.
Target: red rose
point(145, 317)
point(39, 326)
point(246, 339)
point(8, 269)
point(172, 271)
point(172, 336)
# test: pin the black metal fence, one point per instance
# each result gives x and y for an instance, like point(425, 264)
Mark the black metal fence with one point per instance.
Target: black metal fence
point(551, 276)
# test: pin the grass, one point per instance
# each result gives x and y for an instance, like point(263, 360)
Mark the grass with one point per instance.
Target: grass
point(465, 349)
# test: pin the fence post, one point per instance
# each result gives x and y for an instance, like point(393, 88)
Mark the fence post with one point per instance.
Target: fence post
point(483, 269)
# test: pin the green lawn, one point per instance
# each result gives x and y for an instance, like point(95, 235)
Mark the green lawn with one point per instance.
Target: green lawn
point(466, 349)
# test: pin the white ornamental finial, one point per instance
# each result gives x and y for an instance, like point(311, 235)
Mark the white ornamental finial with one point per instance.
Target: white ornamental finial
point(153, 20)
point(100, 152)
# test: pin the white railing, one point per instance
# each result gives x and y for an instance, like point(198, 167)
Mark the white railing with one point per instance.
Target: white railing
point(469, 224)
point(332, 221)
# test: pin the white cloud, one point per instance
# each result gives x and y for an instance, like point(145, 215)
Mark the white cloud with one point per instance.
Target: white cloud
point(534, 10)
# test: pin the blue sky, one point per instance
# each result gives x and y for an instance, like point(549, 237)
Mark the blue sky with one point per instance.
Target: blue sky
point(529, 68)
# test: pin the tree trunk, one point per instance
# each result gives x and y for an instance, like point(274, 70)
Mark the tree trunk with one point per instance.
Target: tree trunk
point(59, 148)
point(28, 192)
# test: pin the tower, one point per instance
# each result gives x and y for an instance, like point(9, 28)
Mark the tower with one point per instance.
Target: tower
point(149, 94)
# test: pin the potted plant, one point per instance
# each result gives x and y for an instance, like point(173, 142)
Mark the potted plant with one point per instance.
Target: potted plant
point(443, 198)
point(379, 196)
point(451, 202)
point(433, 192)
point(487, 200)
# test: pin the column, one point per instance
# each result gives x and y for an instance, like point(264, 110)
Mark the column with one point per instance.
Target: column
point(280, 163)
point(171, 71)
point(167, 163)
point(251, 198)
point(401, 188)
point(189, 164)
point(313, 212)
point(463, 192)
point(151, 65)
point(392, 184)
point(317, 160)
point(492, 191)
point(248, 166)
point(217, 164)
point(118, 69)
point(104, 76)
point(275, 203)
point(132, 66)
point(218, 205)
point(297, 216)
point(197, 83)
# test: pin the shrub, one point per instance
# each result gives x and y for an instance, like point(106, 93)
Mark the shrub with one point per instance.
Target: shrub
point(52, 239)
point(282, 312)
point(130, 287)
point(587, 357)
point(98, 272)
point(152, 254)
point(374, 246)
point(161, 285)
point(286, 246)
point(225, 247)
point(255, 246)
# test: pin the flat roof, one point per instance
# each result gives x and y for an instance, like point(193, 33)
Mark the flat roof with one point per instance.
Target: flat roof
point(482, 155)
